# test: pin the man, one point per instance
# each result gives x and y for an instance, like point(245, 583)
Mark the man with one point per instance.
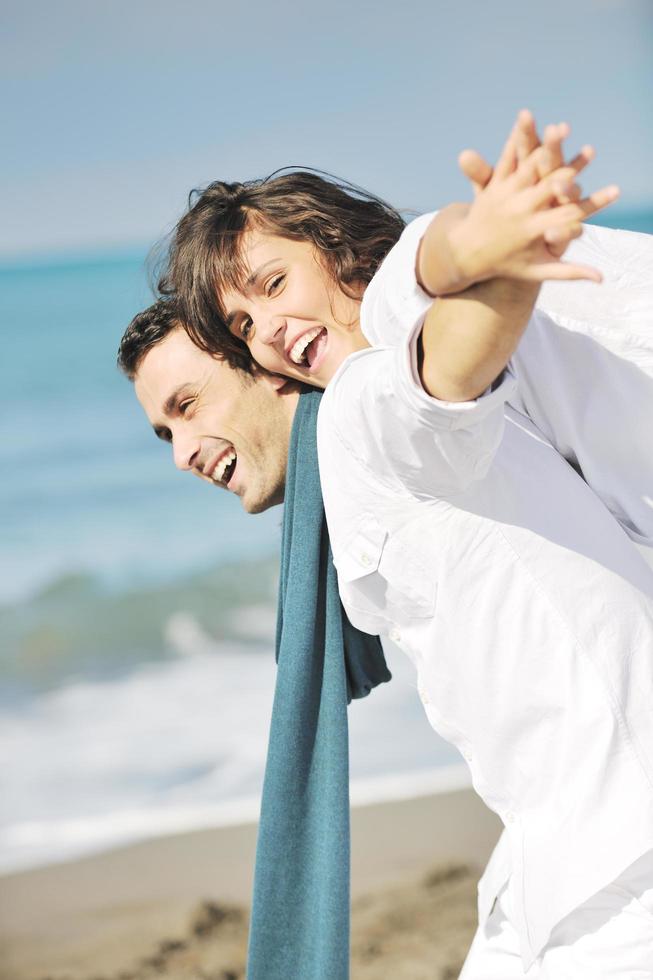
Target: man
point(535, 602)
point(232, 428)
point(462, 535)
point(228, 426)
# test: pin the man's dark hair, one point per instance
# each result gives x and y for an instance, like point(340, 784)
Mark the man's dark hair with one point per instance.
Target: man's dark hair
point(351, 230)
point(146, 330)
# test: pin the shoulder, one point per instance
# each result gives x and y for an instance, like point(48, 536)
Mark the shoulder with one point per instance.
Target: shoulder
point(362, 365)
point(354, 421)
point(352, 386)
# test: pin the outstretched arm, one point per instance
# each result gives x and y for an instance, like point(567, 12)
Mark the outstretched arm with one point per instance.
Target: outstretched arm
point(468, 339)
point(513, 235)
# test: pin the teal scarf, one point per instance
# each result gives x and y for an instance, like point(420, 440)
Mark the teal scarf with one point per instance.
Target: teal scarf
point(300, 912)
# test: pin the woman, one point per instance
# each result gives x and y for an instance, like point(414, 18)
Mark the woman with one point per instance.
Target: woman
point(584, 365)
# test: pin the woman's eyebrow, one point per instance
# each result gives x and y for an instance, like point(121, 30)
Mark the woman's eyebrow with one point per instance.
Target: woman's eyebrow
point(253, 276)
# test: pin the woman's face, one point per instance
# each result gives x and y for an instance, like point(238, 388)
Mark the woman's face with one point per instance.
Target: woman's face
point(295, 320)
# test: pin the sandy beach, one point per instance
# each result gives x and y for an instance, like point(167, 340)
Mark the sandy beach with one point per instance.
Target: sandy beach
point(177, 906)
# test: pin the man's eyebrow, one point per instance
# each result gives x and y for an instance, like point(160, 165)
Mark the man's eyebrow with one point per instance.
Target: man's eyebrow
point(251, 279)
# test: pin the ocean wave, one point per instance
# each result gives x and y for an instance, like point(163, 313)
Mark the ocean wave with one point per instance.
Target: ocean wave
point(35, 843)
point(79, 626)
point(180, 744)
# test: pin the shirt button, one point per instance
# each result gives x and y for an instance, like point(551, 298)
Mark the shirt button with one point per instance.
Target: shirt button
point(395, 635)
point(365, 559)
point(467, 756)
point(423, 695)
point(510, 817)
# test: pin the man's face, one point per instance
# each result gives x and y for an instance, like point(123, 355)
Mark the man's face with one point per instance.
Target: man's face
point(226, 427)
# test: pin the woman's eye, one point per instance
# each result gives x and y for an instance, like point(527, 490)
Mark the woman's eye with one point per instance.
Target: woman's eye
point(245, 328)
point(184, 406)
point(274, 284)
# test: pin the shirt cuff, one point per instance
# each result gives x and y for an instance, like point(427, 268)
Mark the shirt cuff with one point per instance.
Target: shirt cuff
point(394, 301)
point(410, 291)
point(443, 414)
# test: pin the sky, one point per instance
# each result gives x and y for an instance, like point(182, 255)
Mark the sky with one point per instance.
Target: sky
point(113, 112)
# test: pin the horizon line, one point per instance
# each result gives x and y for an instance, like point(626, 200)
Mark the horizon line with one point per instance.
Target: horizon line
point(96, 253)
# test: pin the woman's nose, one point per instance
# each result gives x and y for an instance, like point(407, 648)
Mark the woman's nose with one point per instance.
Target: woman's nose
point(272, 330)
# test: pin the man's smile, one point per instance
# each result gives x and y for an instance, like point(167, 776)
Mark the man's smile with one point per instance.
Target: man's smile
point(221, 470)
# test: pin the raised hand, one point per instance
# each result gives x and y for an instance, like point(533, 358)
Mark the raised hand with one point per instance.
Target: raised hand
point(526, 210)
point(522, 141)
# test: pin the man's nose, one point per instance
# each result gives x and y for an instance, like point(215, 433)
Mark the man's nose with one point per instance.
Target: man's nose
point(185, 451)
point(272, 330)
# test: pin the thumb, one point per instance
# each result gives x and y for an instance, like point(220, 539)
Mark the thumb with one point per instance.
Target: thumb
point(477, 170)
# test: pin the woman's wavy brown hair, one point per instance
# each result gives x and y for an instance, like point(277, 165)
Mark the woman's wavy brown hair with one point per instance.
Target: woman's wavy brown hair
point(351, 230)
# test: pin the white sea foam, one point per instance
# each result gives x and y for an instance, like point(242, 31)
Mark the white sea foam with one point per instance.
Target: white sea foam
point(35, 843)
point(181, 745)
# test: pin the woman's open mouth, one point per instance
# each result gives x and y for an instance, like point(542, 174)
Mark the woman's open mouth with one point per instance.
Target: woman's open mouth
point(308, 348)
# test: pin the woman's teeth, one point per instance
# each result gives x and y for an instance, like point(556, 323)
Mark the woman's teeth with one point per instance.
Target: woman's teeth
point(298, 349)
point(225, 464)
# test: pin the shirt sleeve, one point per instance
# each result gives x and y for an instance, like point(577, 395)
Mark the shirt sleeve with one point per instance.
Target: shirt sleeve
point(621, 305)
point(394, 303)
point(404, 437)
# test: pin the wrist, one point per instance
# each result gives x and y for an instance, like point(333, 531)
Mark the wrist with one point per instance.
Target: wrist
point(468, 256)
point(438, 268)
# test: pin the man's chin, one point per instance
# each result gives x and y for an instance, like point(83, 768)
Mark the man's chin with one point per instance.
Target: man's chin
point(256, 503)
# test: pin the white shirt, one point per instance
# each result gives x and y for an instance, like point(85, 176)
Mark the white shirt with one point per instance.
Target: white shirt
point(461, 534)
point(584, 365)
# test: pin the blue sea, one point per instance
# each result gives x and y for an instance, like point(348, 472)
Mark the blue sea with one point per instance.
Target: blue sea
point(137, 604)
